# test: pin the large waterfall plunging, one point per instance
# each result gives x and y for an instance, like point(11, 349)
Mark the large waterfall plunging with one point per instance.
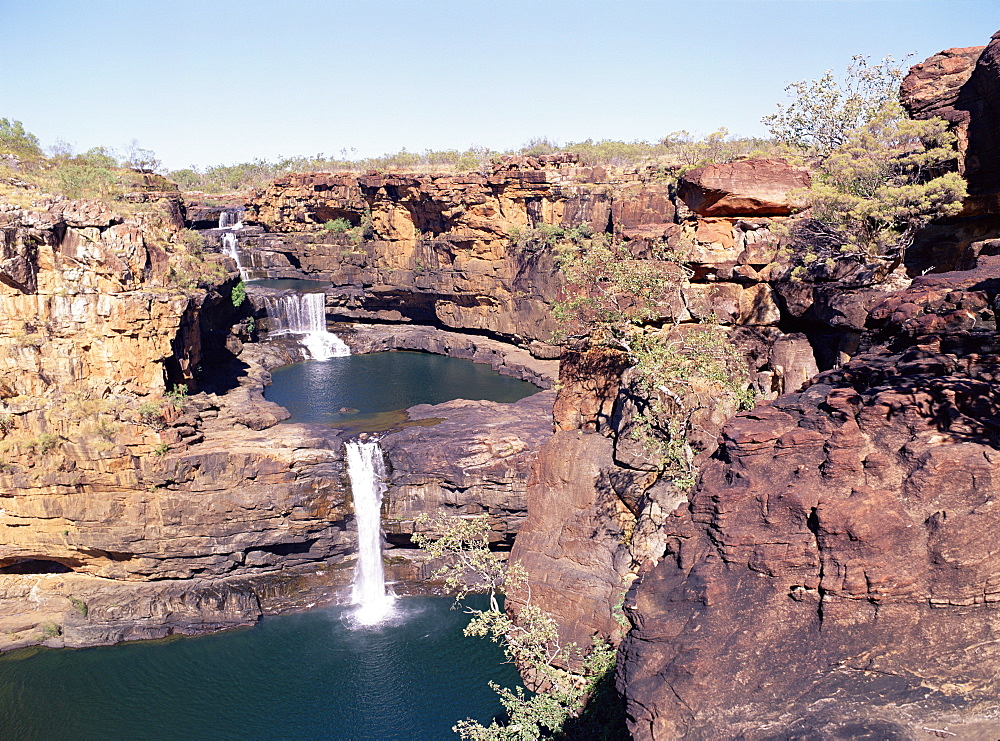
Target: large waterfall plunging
point(366, 469)
point(305, 314)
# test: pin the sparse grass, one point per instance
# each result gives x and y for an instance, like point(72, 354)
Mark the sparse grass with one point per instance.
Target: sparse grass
point(177, 394)
point(49, 629)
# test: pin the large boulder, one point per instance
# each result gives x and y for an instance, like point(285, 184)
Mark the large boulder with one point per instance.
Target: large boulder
point(835, 573)
point(962, 86)
point(931, 89)
point(754, 187)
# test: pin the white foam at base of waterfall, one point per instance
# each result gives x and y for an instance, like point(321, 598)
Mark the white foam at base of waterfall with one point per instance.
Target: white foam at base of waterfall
point(366, 470)
point(324, 345)
point(305, 314)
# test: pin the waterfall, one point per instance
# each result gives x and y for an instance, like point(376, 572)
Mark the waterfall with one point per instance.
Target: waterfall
point(231, 249)
point(305, 314)
point(366, 469)
point(231, 219)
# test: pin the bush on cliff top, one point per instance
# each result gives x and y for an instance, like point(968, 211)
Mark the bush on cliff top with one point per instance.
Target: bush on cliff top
point(879, 177)
point(677, 150)
point(14, 140)
point(99, 173)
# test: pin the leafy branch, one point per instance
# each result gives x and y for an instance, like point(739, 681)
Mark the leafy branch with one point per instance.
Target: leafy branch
point(532, 643)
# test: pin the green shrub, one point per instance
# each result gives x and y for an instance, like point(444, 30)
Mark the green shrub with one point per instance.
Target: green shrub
point(150, 412)
point(177, 394)
point(15, 140)
point(337, 226)
point(532, 642)
point(238, 294)
point(79, 605)
point(44, 443)
point(881, 176)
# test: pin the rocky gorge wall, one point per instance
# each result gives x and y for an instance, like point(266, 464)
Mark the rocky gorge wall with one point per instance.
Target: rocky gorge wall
point(842, 526)
point(469, 252)
point(840, 544)
point(130, 509)
point(833, 573)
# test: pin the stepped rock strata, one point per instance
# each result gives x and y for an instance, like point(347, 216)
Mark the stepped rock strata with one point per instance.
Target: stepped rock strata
point(125, 513)
point(473, 458)
point(468, 252)
point(849, 530)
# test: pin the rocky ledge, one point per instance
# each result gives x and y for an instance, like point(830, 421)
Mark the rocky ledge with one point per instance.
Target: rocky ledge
point(835, 573)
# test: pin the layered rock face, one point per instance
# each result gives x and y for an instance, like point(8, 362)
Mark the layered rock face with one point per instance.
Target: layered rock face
point(129, 512)
point(109, 485)
point(468, 458)
point(848, 529)
point(439, 250)
point(960, 86)
point(84, 303)
point(469, 252)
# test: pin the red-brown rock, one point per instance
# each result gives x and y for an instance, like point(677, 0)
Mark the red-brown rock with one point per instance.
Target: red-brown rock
point(963, 87)
point(754, 187)
point(835, 574)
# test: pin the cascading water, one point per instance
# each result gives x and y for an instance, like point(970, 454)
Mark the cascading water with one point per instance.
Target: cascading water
point(305, 314)
point(231, 249)
point(366, 469)
point(231, 219)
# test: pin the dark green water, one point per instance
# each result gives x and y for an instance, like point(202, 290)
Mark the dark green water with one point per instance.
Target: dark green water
point(317, 390)
point(304, 676)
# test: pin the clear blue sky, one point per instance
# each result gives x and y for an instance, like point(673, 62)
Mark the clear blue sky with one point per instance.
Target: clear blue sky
point(217, 82)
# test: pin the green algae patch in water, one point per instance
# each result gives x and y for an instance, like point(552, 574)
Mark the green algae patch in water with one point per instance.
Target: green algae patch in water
point(303, 676)
point(351, 392)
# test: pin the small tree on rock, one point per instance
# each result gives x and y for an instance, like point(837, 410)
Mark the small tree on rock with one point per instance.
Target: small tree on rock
point(461, 546)
point(880, 177)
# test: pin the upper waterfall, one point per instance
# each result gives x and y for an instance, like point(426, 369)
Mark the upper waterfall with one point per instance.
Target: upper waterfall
point(232, 220)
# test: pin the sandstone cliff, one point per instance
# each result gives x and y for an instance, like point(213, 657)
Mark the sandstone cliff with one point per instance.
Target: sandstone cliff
point(839, 546)
point(133, 510)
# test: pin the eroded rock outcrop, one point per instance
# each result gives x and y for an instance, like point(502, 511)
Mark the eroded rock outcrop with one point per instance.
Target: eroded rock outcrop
point(438, 249)
point(833, 573)
point(932, 89)
point(465, 458)
point(960, 86)
point(755, 187)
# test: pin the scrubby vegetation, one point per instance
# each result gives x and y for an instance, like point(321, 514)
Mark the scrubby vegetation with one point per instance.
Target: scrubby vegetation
point(614, 299)
point(460, 547)
point(98, 173)
point(676, 151)
point(878, 176)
